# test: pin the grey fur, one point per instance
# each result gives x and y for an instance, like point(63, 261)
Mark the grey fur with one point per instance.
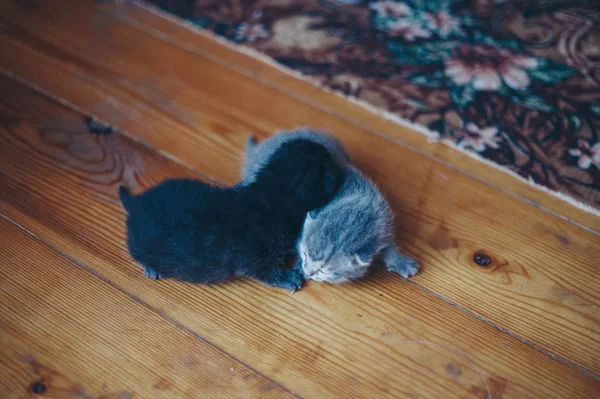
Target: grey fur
point(340, 240)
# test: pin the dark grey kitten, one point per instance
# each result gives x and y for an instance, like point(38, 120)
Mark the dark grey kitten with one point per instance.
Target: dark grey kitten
point(339, 240)
point(192, 231)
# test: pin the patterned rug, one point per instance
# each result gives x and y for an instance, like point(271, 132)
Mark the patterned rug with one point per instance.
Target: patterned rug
point(515, 82)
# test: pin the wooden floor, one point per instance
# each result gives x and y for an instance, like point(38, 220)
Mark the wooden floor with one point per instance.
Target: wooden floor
point(78, 318)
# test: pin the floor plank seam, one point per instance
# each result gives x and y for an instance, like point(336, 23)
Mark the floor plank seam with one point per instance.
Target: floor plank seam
point(147, 305)
point(509, 333)
point(150, 147)
point(194, 50)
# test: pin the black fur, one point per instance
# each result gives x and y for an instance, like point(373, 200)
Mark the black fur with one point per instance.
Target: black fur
point(192, 231)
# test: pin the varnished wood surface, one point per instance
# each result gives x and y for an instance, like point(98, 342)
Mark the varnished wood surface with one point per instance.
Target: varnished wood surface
point(74, 335)
point(378, 338)
point(542, 285)
point(381, 337)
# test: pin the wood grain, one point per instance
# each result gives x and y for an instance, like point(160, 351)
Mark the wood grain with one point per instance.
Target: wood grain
point(65, 328)
point(170, 28)
point(381, 337)
point(542, 284)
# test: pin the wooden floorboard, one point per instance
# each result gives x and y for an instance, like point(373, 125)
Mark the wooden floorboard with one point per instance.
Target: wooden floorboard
point(73, 335)
point(543, 284)
point(381, 337)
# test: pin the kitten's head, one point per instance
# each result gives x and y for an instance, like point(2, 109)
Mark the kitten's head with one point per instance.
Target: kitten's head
point(303, 174)
point(340, 240)
point(337, 267)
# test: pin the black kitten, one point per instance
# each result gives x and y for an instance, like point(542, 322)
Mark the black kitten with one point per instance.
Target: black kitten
point(192, 231)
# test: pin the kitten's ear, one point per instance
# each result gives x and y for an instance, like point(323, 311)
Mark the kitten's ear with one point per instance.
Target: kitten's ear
point(365, 254)
point(363, 258)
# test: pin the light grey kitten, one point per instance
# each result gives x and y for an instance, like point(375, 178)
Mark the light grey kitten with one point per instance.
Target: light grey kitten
point(340, 240)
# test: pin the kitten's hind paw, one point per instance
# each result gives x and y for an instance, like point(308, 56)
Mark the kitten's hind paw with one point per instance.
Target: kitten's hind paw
point(152, 274)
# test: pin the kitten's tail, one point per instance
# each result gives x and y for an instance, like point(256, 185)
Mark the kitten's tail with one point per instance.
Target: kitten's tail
point(125, 197)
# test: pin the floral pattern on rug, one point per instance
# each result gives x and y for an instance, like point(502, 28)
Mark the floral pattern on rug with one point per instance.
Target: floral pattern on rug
point(517, 83)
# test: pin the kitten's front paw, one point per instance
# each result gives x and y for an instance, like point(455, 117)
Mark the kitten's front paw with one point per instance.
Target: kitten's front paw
point(292, 279)
point(406, 268)
point(151, 274)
